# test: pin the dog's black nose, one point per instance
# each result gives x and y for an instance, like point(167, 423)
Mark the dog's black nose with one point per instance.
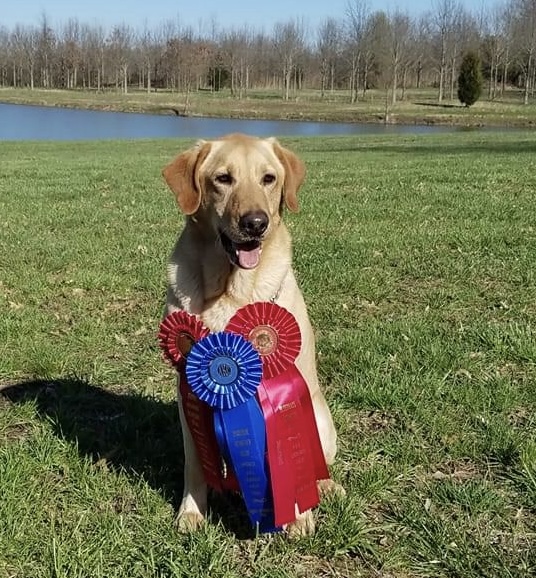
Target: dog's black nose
point(253, 223)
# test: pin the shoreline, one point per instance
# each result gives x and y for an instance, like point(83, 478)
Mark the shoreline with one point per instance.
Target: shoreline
point(425, 113)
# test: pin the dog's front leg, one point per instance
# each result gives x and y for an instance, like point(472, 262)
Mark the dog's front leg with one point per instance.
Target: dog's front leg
point(194, 497)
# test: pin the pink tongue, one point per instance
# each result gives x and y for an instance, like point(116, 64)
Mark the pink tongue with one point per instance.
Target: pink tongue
point(248, 259)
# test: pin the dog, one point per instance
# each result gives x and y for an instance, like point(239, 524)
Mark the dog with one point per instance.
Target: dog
point(235, 250)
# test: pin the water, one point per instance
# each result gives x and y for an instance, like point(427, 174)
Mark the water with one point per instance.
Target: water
point(23, 122)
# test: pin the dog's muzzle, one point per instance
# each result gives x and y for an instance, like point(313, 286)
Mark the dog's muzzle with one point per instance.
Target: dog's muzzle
point(246, 251)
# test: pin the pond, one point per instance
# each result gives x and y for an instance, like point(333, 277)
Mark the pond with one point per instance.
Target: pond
point(24, 122)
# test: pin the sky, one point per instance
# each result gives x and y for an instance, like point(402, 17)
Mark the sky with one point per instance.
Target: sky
point(260, 14)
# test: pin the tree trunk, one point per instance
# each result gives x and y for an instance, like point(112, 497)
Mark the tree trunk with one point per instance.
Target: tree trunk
point(354, 78)
point(241, 83)
point(442, 66)
point(288, 76)
point(395, 83)
point(527, 80)
point(452, 78)
point(491, 88)
point(505, 77)
point(365, 78)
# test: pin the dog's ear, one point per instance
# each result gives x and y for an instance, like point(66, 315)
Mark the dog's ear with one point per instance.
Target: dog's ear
point(294, 175)
point(182, 177)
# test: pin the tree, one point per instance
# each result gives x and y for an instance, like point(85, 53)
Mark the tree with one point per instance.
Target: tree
point(289, 40)
point(470, 79)
point(148, 50)
point(70, 53)
point(525, 44)
point(327, 48)
point(236, 46)
point(399, 38)
point(46, 50)
point(120, 49)
point(447, 13)
point(357, 16)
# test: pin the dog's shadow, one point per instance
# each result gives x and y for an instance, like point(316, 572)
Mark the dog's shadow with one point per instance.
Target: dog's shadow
point(134, 434)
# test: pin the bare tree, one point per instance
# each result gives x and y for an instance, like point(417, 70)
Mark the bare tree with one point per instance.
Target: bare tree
point(493, 44)
point(235, 49)
point(357, 15)
point(288, 38)
point(507, 36)
point(525, 43)
point(70, 53)
point(94, 55)
point(46, 51)
point(16, 54)
point(244, 60)
point(399, 38)
point(328, 45)
point(444, 21)
point(171, 55)
point(147, 52)
point(120, 47)
point(25, 44)
point(4, 56)
point(264, 72)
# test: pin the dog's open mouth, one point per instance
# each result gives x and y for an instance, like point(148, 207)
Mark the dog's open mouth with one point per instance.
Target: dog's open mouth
point(244, 254)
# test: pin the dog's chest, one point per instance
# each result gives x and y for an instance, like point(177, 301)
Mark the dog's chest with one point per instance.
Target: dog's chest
point(243, 289)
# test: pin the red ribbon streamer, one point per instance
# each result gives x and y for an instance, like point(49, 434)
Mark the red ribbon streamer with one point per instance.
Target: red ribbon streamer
point(178, 332)
point(295, 455)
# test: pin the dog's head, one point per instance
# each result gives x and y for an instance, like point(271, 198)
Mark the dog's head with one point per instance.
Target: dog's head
point(235, 188)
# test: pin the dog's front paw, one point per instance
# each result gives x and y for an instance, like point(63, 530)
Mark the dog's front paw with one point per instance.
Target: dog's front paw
point(330, 487)
point(189, 521)
point(191, 514)
point(304, 525)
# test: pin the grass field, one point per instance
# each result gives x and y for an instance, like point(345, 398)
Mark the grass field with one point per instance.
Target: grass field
point(417, 106)
point(417, 257)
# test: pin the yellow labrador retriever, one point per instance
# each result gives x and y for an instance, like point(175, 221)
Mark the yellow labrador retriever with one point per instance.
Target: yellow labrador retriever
point(235, 250)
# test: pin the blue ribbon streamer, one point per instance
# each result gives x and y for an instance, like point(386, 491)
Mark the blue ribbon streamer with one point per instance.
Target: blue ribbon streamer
point(225, 370)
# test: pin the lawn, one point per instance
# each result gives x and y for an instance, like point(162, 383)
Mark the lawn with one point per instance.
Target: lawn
point(417, 258)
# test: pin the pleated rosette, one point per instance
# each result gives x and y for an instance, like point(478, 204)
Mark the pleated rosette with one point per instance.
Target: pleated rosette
point(295, 457)
point(225, 371)
point(273, 332)
point(179, 332)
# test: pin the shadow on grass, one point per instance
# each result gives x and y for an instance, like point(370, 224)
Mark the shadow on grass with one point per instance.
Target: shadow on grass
point(134, 434)
point(423, 147)
point(438, 105)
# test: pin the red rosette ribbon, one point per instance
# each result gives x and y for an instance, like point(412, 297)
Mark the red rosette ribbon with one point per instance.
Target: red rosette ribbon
point(179, 332)
point(295, 457)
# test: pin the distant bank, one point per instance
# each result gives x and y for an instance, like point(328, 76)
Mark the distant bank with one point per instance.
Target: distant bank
point(420, 107)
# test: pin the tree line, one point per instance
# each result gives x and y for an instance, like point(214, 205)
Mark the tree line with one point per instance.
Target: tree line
point(360, 50)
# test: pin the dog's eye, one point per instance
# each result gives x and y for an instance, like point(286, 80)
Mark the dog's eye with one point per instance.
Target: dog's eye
point(224, 179)
point(268, 179)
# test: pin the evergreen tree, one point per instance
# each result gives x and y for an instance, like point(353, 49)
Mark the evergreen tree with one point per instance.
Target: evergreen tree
point(470, 79)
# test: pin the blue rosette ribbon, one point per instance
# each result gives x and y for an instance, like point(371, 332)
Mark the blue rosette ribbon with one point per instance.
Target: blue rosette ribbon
point(224, 370)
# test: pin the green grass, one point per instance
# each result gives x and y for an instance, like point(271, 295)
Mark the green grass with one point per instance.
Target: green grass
point(419, 106)
point(417, 258)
